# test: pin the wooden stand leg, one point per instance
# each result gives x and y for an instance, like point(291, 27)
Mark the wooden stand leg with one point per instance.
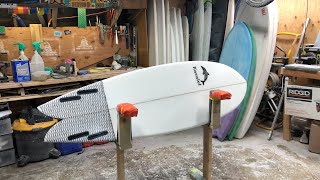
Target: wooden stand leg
point(120, 164)
point(215, 106)
point(286, 119)
point(125, 112)
point(207, 152)
point(287, 127)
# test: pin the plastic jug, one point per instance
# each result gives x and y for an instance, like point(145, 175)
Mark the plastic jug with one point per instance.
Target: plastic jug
point(37, 63)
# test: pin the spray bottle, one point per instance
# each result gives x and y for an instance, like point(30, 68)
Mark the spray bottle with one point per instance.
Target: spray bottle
point(22, 47)
point(37, 63)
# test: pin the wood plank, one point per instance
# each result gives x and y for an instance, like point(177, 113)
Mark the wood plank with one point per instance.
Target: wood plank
point(32, 96)
point(133, 4)
point(292, 16)
point(54, 17)
point(36, 32)
point(207, 152)
point(301, 74)
point(286, 127)
point(13, 85)
point(64, 47)
point(120, 164)
point(142, 39)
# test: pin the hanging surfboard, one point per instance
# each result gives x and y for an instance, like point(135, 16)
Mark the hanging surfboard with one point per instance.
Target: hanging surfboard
point(173, 46)
point(230, 18)
point(162, 56)
point(168, 32)
point(170, 98)
point(175, 37)
point(237, 53)
point(207, 30)
point(197, 32)
point(153, 33)
point(185, 26)
point(181, 44)
point(264, 24)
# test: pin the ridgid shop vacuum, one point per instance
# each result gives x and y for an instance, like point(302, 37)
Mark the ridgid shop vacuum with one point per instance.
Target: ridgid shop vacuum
point(29, 132)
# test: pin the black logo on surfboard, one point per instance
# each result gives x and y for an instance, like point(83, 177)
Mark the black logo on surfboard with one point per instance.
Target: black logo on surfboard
point(205, 75)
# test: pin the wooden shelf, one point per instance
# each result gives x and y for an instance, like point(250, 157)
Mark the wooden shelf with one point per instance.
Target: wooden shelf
point(32, 96)
point(301, 74)
point(21, 86)
point(14, 85)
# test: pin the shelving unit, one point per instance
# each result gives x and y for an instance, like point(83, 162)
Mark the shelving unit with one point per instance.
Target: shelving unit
point(20, 88)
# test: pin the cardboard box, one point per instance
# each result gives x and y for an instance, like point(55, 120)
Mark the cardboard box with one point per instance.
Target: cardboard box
point(303, 101)
point(314, 143)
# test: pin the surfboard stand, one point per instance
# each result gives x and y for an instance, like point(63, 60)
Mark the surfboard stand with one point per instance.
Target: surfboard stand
point(216, 97)
point(125, 112)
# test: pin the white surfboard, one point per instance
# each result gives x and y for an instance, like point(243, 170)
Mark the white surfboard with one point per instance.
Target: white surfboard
point(264, 23)
point(168, 31)
point(175, 37)
point(207, 31)
point(181, 44)
point(153, 33)
point(185, 26)
point(173, 45)
point(170, 98)
point(230, 18)
point(197, 32)
point(161, 25)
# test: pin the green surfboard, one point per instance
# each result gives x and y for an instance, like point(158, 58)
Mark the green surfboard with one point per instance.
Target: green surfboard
point(249, 87)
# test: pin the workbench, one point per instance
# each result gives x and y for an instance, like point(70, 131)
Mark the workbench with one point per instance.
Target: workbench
point(292, 75)
point(20, 88)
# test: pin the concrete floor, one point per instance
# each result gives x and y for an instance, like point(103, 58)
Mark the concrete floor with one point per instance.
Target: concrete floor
point(171, 157)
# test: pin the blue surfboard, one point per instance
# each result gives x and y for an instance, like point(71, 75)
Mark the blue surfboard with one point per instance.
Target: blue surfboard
point(237, 54)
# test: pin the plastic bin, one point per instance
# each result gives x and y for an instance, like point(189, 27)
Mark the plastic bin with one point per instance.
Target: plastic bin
point(68, 148)
point(6, 142)
point(5, 126)
point(7, 157)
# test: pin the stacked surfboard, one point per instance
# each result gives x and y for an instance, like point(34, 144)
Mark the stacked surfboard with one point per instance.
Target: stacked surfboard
point(239, 52)
point(201, 31)
point(264, 24)
point(169, 42)
point(168, 33)
point(248, 49)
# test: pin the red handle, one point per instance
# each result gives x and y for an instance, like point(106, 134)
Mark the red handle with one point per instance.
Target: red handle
point(220, 95)
point(127, 110)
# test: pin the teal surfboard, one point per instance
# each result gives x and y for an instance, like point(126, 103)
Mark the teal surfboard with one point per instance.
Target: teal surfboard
point(237, 53)
point(249, 87)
